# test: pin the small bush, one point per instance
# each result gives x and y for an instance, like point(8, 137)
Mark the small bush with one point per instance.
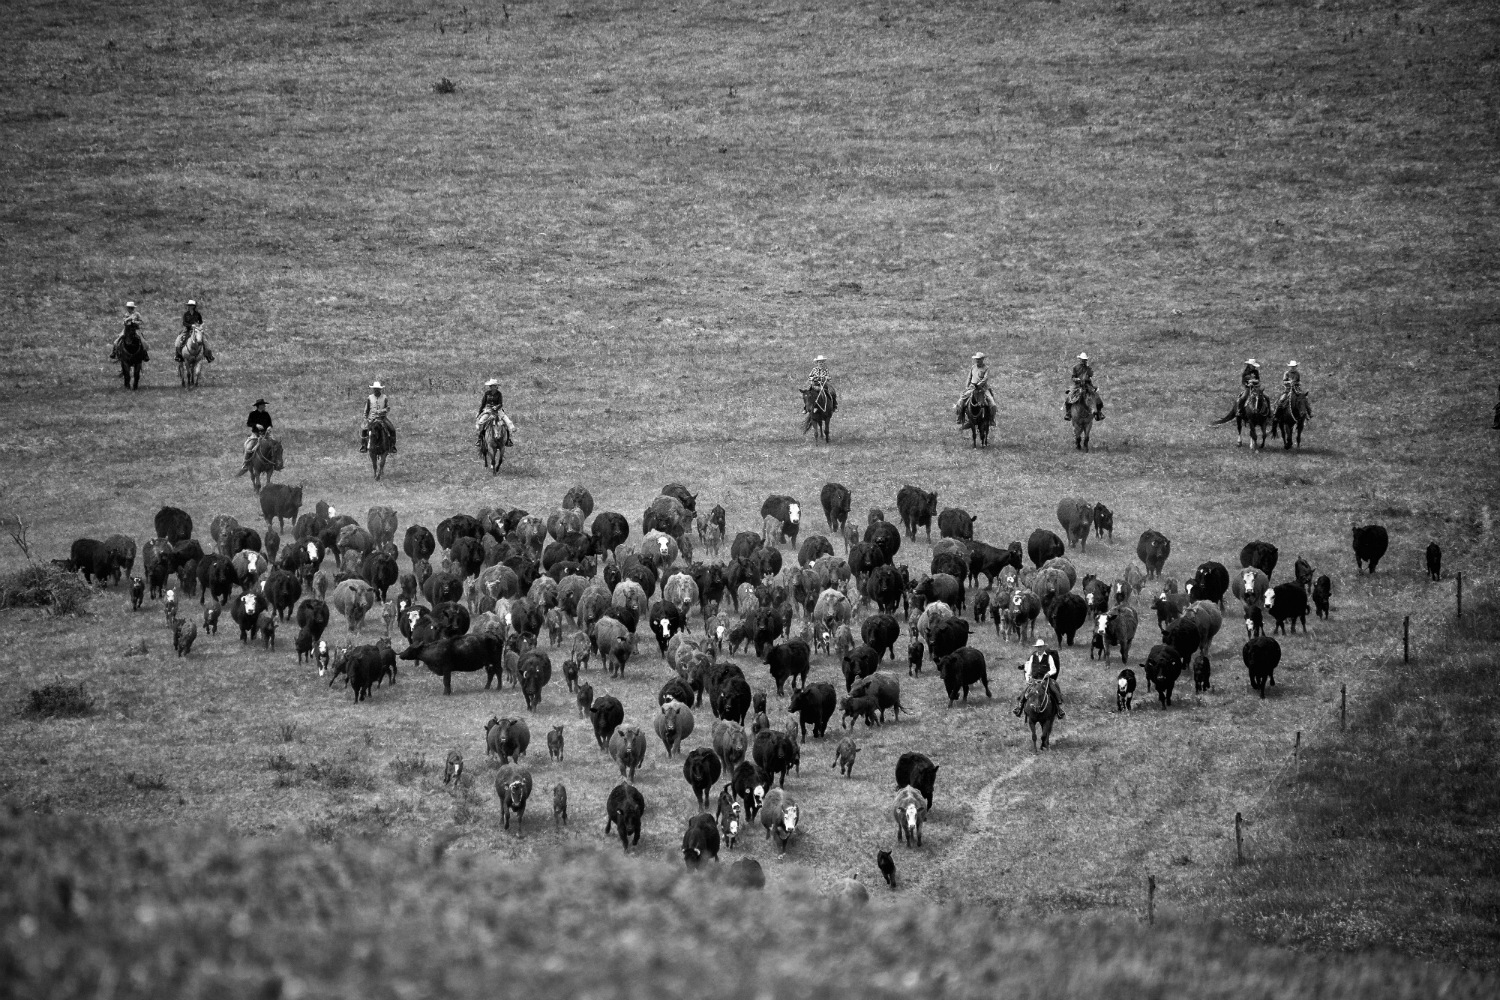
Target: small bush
point(280, 764)
point(290, 732)
point(338, 776)
point(147, 782)
point(48, 587)
point(408, 767)
point(60, 700)
point(444, 86)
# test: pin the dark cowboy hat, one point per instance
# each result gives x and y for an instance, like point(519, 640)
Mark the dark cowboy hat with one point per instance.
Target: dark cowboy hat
point(261, 402)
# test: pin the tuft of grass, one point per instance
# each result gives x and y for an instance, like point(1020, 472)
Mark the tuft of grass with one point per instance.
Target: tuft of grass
point(408, 767)
point(290, 732)
point(146, 782)
point(59, 700)
point(337, 775)
point(48, 587)
point(444, 86)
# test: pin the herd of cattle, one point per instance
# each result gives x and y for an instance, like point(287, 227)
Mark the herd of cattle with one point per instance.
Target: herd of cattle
point(504, 578)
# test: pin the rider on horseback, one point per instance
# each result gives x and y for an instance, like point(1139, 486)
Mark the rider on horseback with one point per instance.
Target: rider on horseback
point(979, 381)
point(1042, 667)
point(491, 408)
point(1291, 388)
point(820, 380)
point(259, 423)
point(130, 327)
point(1083, 387)
point(192, 317)
point(377, 408)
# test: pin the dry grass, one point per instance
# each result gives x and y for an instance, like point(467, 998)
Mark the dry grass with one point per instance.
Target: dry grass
point(645, 221)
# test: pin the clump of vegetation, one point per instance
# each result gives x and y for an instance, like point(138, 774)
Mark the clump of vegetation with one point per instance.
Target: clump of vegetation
point(465, 803)
point(340, 775)
point(48, 587)
point(444, 86)
point(290, 732)
point(147, 782)
point(407, 767)
point(59, 700)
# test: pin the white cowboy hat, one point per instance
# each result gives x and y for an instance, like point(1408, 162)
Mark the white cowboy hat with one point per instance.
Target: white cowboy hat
point(978, 356)
point(1291, 364)
point(376, 384)
point(130, 305)
point(1253, 363)
point(820, 358)
point(1039, 644)
point(493, 381)
point(192, 302)
point(1084, 356)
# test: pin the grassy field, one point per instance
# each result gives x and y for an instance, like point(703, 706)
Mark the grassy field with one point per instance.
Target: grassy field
point(645, 221)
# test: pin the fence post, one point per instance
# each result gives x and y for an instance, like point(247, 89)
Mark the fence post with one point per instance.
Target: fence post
point(1297, 750)
point(1406, 639)
point(1343, 703)
point(1459, 592)
point(1150, 899)
point(1239, 841)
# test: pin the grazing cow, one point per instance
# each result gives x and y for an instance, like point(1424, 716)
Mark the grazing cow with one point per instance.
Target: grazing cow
point(673, 724)
point(1104, 521)
point(910, 812)
point(1210, 583)
point(836, 500)
point(787, 513)
point(814, 705)
point(917, 508)
point(916, 770)
point(779, 814)
point(1321, 593)
point(246, 614)
point(701, 769)
point(1066, 613)
point(700, 839)
point(513, 786)
point(1043, 545)
point(1202, 672)
point(628, 749)
point(606, 713)
point(1077, 519)
point(1124, 689)
point(89, 556)
point(1434, 562)
point(1163, 667)
point(173, 524)
point(1261, 656)
point(453, 769)
point(1287, 602)
point(955, 522)
point(1261, 556)
point(776, 754)
point(1153, 550)
point(624, 809)
point(418, 543)
point(183, 634)
point(790, 660)
point(463, 654)
point(960, 670)
point(506, 738)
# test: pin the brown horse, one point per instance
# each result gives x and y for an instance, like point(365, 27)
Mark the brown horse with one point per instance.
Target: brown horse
point(819, 405)
point(979, 417)
point(382, 437)
point(131, 354)
point(1039, 708)
point(1291, 413)
point(1082, 411)
point(1254, 413)
point(264, 460)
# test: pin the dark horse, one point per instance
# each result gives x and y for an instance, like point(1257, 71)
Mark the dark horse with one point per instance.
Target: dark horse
point(496, 440)
point(1291, 413)
point(382, 436)
point(979, 417)
point(1039, 708)
point(264, 460)
point(131, 353)
point(1083, 410)
point(1254, 413)
point(819, 405)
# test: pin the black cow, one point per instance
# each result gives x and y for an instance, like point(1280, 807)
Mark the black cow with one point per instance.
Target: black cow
point(951, 563)
point(280, 502)
point(917, 771)
point(1261, 555)
point(814, 705)
point(1153, 550)
point(955, 522)
point(864, 558)
point(789, 660)
point(776, 754)
point(711, 584)
point(918, 508)
point(1322, 592)
point(680, 492)
point(1370, 543)
point(1163, 667)
point(380, 572)
point(881, 632)
point(173, 524)
point(732, 700)
point(462, 654)
point(1210, 582)
point(534, 670)
point(745, 545)
point(861, 661)
point(1044, 545)
point(750, 783)
point(788, 512)
point(458, 526)
point(244, 540)
point(1104, 521)
point(1261, 655)
point(700, 839)
point(767, 629)
point(281, 590)
point(811, 548)
point(1202, 672)
point(884, 536)
point(962, 669)
point(363, 667)
point(885, 586)
point(836, 500)
point(676, 689)
point(467, 555)
point(625, 807)
point(451, 619)
point(609, 530)
point(666, 620)
point(1183, 636)
point(418, 543)
point(702, 769)
point(1066, 613)
point(1287, 602)
point(1434, 561)
point(990, 560)
point(606, 713)
point(92, 559)
point(948, 636)
point(216, 577)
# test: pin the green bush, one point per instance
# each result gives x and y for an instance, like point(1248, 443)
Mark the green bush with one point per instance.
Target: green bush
point(59, 699)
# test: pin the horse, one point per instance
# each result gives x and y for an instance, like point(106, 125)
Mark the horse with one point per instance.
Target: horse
point(1082, 417)
point(819, 405)
point(191, 357)
point(979, 417)
point(1254, 413)
point(265, 459)
point(382, 436)
point(496, 439)
point(1291, 414)
point(131, 354)
point(1039, 707)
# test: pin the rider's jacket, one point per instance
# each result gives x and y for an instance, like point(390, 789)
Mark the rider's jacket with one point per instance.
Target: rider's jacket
point(377, 406)
point(259, 421)
point(191, 318)
point(492, 397)
point(818, 376)
point(132, 323)
point(1248, 375)
point(1043, 663)
point(1292, 379)
point(1083, 374)
point(979, 376)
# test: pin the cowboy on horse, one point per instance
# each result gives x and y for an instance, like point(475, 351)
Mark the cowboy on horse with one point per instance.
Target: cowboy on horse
point(377, 410)
point(491, 409)
point(130, 335)
point(820, 381)
point(259, 423)
point(1082, 390)
point(1291, 389)
point(979, 381)
point(1042, 668)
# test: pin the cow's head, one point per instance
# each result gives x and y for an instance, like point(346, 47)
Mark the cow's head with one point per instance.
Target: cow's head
point(1101, 622)
point(1123, 685)
point(758, 795)
point(1016, 600)
point(1270, 599)
point(247, 601)
point(789, 819)
point(664, 546)
point(793, 513)
point(910, 817)
point(312, 551)
point(515, 793)
point(1248, 579)
point(1250, 627)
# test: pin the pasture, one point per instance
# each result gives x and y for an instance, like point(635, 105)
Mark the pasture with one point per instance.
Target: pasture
point(646, 222)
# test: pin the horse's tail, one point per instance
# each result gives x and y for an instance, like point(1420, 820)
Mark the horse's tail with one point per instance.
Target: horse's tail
point(1228, 416)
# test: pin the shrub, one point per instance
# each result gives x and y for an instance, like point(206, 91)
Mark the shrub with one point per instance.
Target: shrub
point(60, 699)
point(408, 767)
point(147, 782)
point(444, 86)
point(40, 586)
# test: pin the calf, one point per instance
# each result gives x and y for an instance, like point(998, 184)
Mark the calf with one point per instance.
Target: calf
point(863, 706)
point(731, 813)
point(570, 674)
point(559, 805)
point(137, 593)
point(887, 867)
point(183, 634)
point(453, 768)
point(1434, 564)
point(1321, 592)
point(701, 838)
point(267, 625)
point(1261, 655)
point(211, 619)
point(1163, 667)
point(1124, 689)
point(585, 699)
point(555, 742)
point(914, 650)
point(910, 813)
point(843, 756)
point(624, 809)
point(1202, 669)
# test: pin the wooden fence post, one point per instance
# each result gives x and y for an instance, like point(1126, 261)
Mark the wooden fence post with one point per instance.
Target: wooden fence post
point(1239, 841)
point(1343, 703)
point(1297, 750)
point(1150, 899)
point(1406, 639)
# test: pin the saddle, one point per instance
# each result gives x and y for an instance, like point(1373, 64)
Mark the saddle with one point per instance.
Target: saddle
point(817, 396)
point(1081, 392)
point(133, 347)
point(1036, 687)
